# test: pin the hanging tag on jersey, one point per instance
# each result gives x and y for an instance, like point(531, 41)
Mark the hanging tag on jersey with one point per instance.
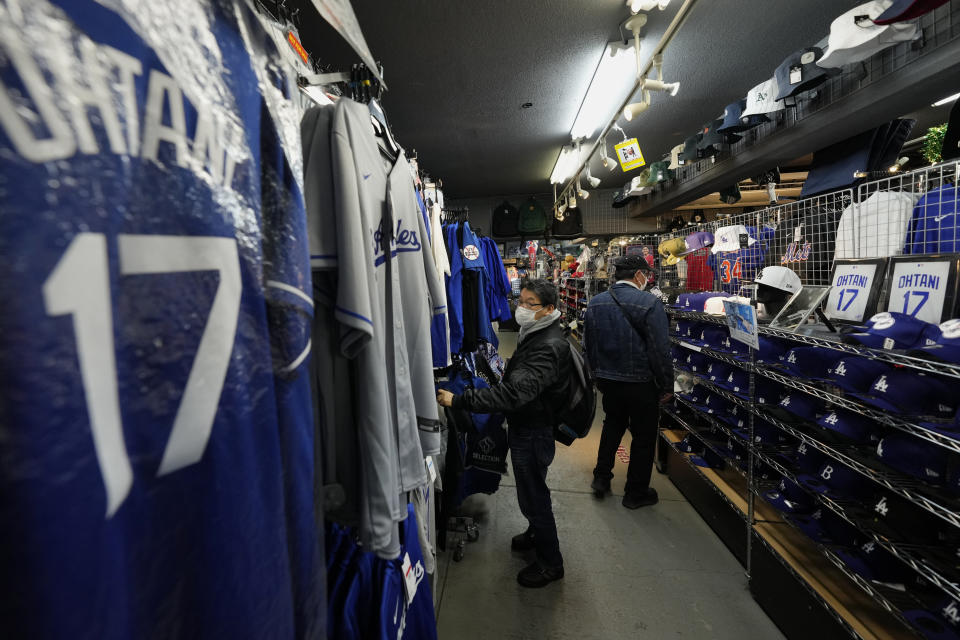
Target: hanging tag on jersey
point(797, 233)
point(888, 343)
point(409, 578)
point(796, 74)
point(744, 240)
point(431, 469)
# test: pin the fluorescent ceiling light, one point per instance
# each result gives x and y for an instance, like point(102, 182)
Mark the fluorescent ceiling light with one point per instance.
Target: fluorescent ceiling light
point(611, 81)
point(567, 162)
point(946, 100)
point(647, 5)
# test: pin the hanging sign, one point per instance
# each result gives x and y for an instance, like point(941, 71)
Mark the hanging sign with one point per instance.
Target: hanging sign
point(630, 155)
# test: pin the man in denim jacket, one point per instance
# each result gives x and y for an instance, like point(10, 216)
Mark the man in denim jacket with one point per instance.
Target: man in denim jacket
point(628, 349)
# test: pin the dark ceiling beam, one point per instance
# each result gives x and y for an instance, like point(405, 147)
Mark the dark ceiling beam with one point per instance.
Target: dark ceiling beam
point(921, 82)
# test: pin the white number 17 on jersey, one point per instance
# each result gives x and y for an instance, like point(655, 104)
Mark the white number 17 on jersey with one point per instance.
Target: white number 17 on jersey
point(80, 286)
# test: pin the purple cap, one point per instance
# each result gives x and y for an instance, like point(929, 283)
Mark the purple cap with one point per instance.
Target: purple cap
point(848, 424)
point(809, 362)
point(947, 347)
point(789, 497)
point(698, 240)
point(912, 393)
point(797, 404)
point(856, 374)
point(876, 564)
point(915, 457)
point(836, 480)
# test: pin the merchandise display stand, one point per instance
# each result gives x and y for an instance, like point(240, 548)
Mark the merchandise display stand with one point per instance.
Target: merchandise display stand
point(801, 573)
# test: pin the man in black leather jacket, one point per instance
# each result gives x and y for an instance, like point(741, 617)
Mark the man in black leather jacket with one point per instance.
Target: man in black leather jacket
point(534, 382)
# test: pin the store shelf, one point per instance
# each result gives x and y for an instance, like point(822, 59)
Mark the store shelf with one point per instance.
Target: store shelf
point(882, 417)
point(854, 610)
point(716, 355)
point(705, 439)
point(902, 485)
point(733, 492)
point(832, 341)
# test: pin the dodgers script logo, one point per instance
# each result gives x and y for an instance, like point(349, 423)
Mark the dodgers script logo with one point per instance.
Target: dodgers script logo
point(403, 240)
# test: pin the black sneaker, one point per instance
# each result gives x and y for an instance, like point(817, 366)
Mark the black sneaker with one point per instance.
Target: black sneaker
point(600, 488)
point(523, 541)
point(644, 499)
point(534, 576)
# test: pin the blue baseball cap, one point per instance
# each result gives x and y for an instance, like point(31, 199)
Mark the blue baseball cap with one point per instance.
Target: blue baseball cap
point(769, 391)
point(836, 480)
point(825, 527)
point(732, 122)
point(714, 337)
point(717, 372)
point(947, 347)
point(809, 362)
point(697, 396)
point(683, 328)
point(900, 519)
point(763, 433)
point(771, 349)
point(690, 444)
point(789, 497)
point(852, 426)
point(697, 362)
point(875, 564)
point(735, 416)
point(680, 302)
point(894, 330)
point(738, 382)
point(715, 404)
point(856, 374)
point(807, 459)
point(709, 459)
point(797, 405)
point(936, 623)
point(911, 393)
point(915, 457)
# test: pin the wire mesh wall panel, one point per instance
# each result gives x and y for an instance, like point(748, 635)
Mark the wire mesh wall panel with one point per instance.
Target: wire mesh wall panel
point(910, 213)
point(600, 218)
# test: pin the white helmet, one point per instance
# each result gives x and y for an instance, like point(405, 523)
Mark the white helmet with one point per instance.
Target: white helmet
point(780, 278)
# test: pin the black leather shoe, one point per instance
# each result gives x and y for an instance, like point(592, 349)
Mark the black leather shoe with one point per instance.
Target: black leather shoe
point(600, 488)
point(534, 576)
point(522, 542)
point(643, 500)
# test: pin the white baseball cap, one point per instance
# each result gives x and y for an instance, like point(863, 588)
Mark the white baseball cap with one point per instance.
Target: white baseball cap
point(854, 36)
point(714, 306)
point(637, 187)
point(781, 278)
point(763, 99)
point(728, 238)
point(675, 157)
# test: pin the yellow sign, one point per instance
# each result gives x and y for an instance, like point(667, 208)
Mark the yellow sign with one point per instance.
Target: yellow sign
point(629, 154)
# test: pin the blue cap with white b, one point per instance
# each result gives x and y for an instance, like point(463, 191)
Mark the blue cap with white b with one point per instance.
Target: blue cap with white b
point(836, 480)
point(894, 330)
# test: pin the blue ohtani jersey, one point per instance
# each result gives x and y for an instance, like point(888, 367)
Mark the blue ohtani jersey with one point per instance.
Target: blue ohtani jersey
point(156, 436)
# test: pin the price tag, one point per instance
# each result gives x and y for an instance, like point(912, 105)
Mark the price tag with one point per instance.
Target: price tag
point(852, 284)
point(692, 347)
point(919, 289)
point(797, 233)
point(744, 240)
point(796, 74)
point(431, 469)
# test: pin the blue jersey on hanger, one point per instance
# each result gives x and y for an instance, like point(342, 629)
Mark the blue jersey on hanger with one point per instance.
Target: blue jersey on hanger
point(733, 269)
point(498, 285)
point(406, 605)
point(933, 228)
point(155, 429)
point(467, 255)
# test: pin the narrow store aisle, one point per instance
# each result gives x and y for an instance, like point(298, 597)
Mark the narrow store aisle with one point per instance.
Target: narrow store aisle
point(657, 572)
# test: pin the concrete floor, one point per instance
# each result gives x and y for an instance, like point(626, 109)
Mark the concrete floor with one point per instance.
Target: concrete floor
point(654, 573)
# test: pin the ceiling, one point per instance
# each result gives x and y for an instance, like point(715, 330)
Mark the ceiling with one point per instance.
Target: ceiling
point(459, 72)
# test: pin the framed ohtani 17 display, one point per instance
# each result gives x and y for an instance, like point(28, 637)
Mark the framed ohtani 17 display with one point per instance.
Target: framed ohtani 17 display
point(856, 289)
point(924, 287)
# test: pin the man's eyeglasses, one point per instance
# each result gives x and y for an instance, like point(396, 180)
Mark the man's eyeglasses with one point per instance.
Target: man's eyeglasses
point(527, 305)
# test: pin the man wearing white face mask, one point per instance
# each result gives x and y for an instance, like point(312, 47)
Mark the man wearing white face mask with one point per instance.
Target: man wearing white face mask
point(628, 348)
point(534, 382)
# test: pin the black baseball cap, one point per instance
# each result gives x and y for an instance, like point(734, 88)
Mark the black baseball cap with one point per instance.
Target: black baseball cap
point(632, 264)
point(810, 75)
point(690, 153)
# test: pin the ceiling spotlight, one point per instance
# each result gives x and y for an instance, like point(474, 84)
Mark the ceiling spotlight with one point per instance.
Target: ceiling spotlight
point(659, 85)
point(631, 111)
point(561, 209)
point(608, 163)
point(594, 182)
point(572, 201)
point(583, 195)
point(899, 164)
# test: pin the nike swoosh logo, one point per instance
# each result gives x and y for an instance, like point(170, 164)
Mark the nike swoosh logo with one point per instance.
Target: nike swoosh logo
point(367, 176)
point(939, 218)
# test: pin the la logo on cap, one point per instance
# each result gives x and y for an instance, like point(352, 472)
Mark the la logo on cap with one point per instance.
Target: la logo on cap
point(831, 419)
point(841, 370)
point(792, 358)
point(785, 402)
point(881, 384)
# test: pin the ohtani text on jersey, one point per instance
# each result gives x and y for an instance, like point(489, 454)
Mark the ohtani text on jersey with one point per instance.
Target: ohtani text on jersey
point(53, 115)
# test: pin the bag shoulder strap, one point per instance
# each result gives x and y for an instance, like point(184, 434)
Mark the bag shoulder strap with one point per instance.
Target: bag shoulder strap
point(640, 332)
